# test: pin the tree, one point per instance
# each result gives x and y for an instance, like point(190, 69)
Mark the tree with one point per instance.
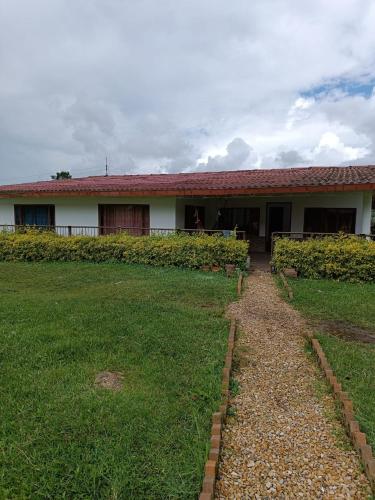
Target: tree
point(61, 175)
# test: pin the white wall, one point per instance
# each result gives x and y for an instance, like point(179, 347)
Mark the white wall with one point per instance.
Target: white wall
point(83, 211)
point(335, 200)
point(6, 211)
point(170, 213)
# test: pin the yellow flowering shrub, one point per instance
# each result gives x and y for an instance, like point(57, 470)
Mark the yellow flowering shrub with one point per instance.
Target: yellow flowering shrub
point(343, 258)
point(191, 251)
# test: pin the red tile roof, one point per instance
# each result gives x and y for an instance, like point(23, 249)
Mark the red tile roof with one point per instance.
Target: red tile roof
point(309, 179)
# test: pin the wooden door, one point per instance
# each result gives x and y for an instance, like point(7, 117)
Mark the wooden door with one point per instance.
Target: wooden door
point(134, 218)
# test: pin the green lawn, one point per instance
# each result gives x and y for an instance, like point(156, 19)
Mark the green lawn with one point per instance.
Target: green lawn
point(61, 324)
point(353, 362)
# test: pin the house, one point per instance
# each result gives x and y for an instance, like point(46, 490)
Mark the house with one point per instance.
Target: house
point(258, 202)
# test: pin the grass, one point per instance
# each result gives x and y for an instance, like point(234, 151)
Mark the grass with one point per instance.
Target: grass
point(353, 362)
point(61, 324)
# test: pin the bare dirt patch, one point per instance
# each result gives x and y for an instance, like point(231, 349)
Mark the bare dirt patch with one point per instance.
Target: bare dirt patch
point(347, 331)
point(109, 380)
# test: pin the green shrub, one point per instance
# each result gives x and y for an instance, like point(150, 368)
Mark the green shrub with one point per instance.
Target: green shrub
point(192, 251)
point(343, 258)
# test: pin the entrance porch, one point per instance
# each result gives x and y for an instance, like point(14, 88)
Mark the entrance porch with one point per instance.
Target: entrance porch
point(259, 216)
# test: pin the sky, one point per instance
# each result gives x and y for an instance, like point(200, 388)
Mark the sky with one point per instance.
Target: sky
point(189, 85)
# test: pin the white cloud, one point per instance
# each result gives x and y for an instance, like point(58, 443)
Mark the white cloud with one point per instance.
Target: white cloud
point(333, 151)
point(157, 86)
point(299, 111)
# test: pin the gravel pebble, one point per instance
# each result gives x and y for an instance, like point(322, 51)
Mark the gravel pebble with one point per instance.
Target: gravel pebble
point(281, 442)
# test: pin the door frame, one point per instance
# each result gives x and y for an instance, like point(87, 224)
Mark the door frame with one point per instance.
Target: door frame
point(281, 204)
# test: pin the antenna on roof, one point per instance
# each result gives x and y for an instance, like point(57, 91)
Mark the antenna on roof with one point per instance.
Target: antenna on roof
point(106, 166)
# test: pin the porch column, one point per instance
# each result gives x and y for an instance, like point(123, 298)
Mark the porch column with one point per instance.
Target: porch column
point(365, 228)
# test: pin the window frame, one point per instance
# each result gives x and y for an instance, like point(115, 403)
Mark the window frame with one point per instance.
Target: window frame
point(114, 228)
point(351, 210)
point(19, 214)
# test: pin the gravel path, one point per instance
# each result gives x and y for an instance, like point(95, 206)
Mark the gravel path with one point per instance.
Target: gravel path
point(284, 440)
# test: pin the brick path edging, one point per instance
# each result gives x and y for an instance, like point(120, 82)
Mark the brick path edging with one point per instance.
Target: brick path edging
point(218, 419)
point(239, 284)
point(358, 438)
point(286, 285)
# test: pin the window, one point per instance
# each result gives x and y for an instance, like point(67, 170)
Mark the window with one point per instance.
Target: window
point(329, 220)
point(135, 218)
point(34, 215)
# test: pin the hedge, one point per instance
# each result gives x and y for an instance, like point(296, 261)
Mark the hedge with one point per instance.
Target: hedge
point(191, 251)
point(342, 258)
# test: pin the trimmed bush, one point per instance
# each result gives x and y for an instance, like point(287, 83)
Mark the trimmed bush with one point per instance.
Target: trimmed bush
point(191, 251)
point(343, 258)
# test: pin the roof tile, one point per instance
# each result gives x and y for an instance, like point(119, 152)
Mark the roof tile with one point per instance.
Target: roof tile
point(307, 177)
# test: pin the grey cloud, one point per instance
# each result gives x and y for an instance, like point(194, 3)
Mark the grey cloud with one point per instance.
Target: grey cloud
point(90, 115)
point(290, 158)
point(237, 153)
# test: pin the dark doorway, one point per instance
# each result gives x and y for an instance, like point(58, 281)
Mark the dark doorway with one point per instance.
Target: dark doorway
point(278, 220)
point(135, 218)
point(194, 217)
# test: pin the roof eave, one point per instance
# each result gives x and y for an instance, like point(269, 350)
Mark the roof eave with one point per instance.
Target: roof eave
point(193, 192)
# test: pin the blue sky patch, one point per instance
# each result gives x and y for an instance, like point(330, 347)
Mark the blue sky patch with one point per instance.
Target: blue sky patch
point(348, 87)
